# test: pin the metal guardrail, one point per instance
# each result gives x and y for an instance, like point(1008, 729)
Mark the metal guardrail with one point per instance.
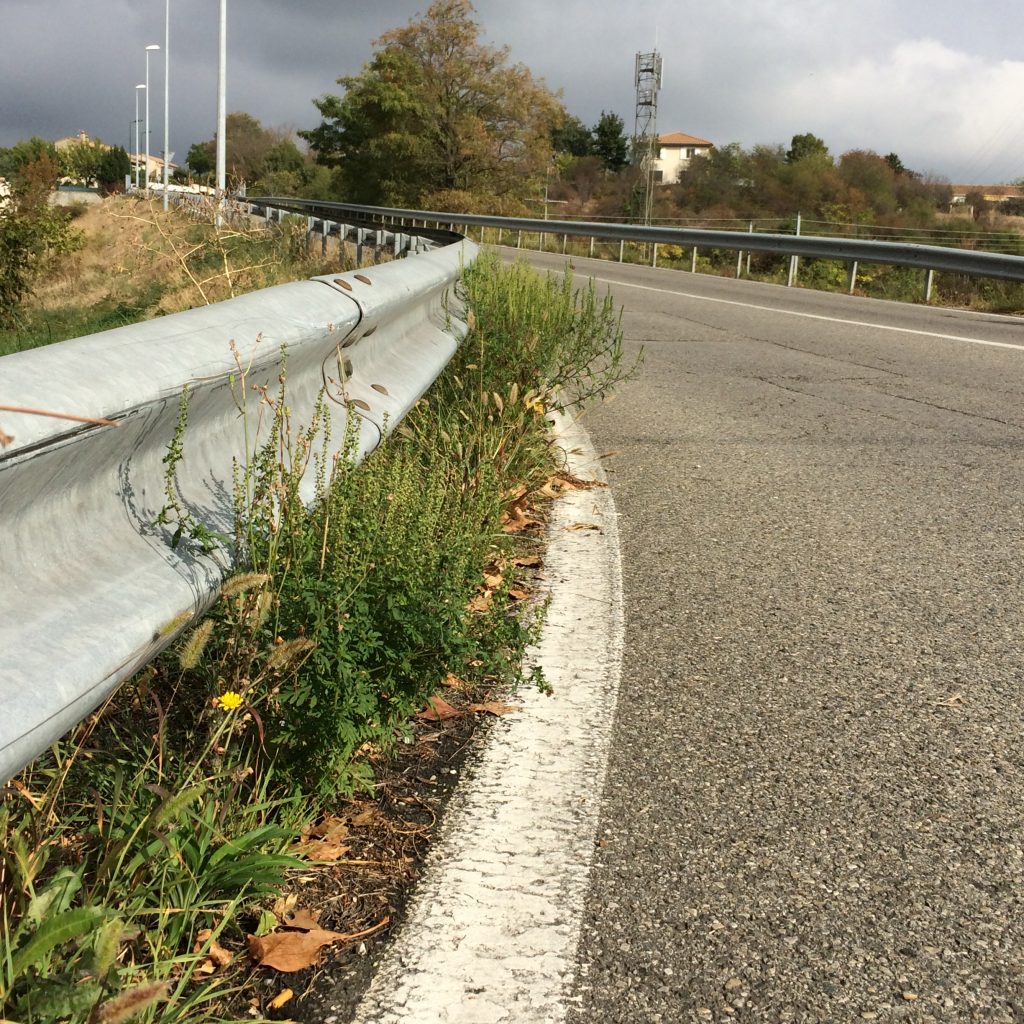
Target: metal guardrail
point(849, 250)
point(88, 581)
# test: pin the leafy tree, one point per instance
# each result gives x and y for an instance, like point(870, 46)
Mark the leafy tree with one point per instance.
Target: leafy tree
point(720, 179)
point(873, 177)
point(610, 142)
point(32, 233)
point(581, 179)
point(22, 153)
point(80, 161)
point(112, 169)
point(252, 155)
point(806, 145)
point(572, 136)
point(893, 160)
point(436, 111)
point(201, 159)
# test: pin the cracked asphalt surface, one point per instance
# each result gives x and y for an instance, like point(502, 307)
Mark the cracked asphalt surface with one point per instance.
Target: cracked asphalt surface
point(813, 809)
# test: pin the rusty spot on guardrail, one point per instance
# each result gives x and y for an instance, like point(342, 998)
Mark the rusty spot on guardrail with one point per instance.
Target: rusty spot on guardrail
point(380, 387)
point(343, 284)
point(359, 404)
point(363, 278)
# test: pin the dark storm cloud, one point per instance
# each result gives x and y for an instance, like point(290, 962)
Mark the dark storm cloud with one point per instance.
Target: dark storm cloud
point(931, 79)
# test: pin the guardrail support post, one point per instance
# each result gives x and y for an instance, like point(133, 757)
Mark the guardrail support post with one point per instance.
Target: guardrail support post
point(654, 257)
point(929, 280)
point(565, 242)
point(622, 250)
point(739, 264)
point(519, 240)
point(360, 237)
point(794, 261)
point(325, 230)
point(693, 261)
point(592, 240)
point(853, 276)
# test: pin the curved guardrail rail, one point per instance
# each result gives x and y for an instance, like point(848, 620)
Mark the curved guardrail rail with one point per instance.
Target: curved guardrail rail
point(852, 250)
point(90, 583)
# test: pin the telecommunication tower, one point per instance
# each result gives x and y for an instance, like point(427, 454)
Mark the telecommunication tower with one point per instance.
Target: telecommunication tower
point(645, 128)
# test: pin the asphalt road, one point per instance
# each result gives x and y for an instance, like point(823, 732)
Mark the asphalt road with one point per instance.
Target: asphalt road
point(813, 808)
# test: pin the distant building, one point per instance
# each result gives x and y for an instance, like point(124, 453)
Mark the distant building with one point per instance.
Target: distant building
point(74, 140)
point(990, 193)
point(156, 166)
point(675, 151)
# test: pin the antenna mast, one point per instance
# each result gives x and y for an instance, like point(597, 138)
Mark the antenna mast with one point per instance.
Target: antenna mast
point(645, 128)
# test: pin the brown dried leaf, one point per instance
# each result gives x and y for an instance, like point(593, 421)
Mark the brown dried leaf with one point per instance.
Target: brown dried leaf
point(321, 851)
point(217, 955)
point(324, 842)
point(302, 920)
point(481, 603)
point(365, 817)
point(453, 682)
point(288, 951)
point(569, 482)
point(518, 593)
point(529, 562)
point(584, 526)
point(285, 905)
point(438, 710)
point(493, 580)
point(493, 707)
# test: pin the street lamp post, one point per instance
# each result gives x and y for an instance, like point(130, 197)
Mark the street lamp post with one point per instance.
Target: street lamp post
point(222, 79)
point(149, 49)
point(138, 89)
point(167, 94)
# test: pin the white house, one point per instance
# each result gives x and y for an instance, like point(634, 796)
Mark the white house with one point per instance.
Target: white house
point(675, 151)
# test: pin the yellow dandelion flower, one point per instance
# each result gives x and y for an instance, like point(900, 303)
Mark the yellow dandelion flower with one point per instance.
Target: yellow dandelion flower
point(228, 701)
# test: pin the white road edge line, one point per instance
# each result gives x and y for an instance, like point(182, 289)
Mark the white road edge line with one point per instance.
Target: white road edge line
point(494, 923)
point(811, 316)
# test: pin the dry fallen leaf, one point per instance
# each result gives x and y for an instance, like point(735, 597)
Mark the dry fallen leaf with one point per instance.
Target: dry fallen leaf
point(481, 603)
point(529, 562)
point(518, 593)
point(574, 483)
point(282, 997)
point(284, 906)
point(302, 920)
point(453, 682)
point(493, 707)
point(216, 954)
point(288, 951)
point(584, 526)
point(325, 842)
point(493, 580)
point(367, 816)
point(438, 710)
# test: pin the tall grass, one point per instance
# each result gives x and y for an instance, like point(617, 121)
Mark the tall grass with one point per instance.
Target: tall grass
point(141, 837)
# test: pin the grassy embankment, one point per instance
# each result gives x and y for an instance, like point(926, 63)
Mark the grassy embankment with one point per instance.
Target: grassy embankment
point(143, 848)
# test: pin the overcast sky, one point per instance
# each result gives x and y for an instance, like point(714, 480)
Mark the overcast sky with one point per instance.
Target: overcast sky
point(940, 82)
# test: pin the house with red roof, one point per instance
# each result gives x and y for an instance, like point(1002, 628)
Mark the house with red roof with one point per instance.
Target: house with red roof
point(675, 151)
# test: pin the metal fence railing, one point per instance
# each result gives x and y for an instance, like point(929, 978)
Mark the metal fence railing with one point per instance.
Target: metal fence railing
point(90, 577)
point(852, 251)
